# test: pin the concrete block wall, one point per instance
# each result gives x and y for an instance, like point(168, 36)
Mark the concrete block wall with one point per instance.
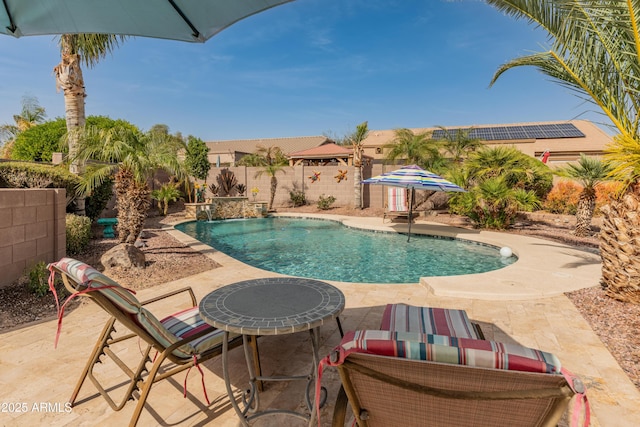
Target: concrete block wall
point(298, 177)
point(32, 229)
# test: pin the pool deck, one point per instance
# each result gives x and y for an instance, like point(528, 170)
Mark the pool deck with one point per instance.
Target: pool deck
point(521, 303)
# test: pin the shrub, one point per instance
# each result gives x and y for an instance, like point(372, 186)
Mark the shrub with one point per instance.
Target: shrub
point(38, 279)
point(325, 203)
point(226, 182)
point(563, 198)
point(78, 230)
point(297, 197)
point(33, 175)
point(99, 199)
point(166, 194)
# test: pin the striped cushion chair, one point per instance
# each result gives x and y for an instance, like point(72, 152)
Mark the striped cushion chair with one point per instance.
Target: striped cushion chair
point(412, 379)
point(429, 320)
point(397, 204)
point(182, 340)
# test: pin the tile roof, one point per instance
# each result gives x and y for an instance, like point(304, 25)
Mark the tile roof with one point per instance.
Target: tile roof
point(329, 149)
point(288, 145)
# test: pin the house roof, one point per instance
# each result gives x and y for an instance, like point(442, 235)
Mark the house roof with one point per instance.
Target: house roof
point(287, 145)
point(593, 141)
point(326, 150)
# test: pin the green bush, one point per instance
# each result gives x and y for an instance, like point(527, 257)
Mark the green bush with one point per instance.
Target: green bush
point(325, 202)
point(99, 199)
point(78, 230)
point(297, 197)
point(33, 175)
point(38, 275)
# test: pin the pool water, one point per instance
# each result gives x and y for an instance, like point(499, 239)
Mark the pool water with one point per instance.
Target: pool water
point(327, 250)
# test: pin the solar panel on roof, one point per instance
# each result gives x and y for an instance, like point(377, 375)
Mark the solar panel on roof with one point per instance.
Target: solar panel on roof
point(498, 133)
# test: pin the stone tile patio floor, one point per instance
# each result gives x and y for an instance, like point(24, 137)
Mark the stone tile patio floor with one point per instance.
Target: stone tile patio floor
point(522, 303)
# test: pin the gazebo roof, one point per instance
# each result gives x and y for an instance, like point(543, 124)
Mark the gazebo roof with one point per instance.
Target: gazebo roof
point(323, 151)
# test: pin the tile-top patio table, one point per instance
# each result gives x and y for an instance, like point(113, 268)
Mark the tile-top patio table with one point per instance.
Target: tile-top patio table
point(271, 306)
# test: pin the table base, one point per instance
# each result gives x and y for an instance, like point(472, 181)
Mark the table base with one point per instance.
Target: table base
point(251, 397)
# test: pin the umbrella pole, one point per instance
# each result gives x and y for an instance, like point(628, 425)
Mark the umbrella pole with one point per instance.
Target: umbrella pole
point(411, 196)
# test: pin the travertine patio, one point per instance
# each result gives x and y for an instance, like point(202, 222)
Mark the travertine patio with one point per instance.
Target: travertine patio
point(522, 303)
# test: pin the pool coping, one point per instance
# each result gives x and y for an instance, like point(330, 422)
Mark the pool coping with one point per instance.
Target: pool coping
point(544, 268)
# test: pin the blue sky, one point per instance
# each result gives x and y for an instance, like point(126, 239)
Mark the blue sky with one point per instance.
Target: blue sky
point(311, 67)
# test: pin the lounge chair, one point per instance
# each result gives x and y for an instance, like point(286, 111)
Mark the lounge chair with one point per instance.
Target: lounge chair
point(429, 320)
point(396, 206)
point(182, 340)
point(411, 379)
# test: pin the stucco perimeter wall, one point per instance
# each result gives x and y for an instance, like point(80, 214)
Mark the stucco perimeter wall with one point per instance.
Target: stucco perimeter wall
point(299, 177)
point(32, 229)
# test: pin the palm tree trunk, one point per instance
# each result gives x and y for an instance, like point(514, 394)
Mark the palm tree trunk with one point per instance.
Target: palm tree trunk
point(357, 187)
point(620, 246)
point(132, 199)
point(357, 176)
point(69, 79)
point(584, 213)
point(274, 186)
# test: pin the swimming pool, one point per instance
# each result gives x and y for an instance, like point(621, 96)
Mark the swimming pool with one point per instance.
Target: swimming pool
point(328, 250)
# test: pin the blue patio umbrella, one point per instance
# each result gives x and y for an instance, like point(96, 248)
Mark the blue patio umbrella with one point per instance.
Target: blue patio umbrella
point(413, 177)
point(186, 20)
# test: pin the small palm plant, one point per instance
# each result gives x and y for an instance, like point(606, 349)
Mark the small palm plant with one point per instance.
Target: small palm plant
point(493, 203)
point(272, 160)
point(590, 172)
point(166, 194)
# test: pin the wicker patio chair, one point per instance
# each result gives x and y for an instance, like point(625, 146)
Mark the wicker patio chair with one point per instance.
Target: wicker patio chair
point(407, 379)
point(181, 340)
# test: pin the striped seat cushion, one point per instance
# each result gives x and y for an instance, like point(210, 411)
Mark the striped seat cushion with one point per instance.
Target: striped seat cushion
point(427, 320)
point(451, 350)
point(397, 200)
point(86, 276)
point(187, 323)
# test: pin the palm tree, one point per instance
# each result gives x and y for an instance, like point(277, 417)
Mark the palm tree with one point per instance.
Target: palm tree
point(595, 50)
point(77, 49)
point(518, 169)
point(494, 203)
point(590, 172)
point(417, 149)
point(356, 139)
point(272, 160)
point(133, 157)
point(166, 194)
point(458, 144)
point(31, 114)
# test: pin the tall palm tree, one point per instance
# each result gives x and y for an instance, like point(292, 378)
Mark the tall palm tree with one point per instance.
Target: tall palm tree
point(595, 50)
point(590, 172)
point(272, 160)
point(75, 50)
point(356, 139)
point(417, 149)
point(132, 158)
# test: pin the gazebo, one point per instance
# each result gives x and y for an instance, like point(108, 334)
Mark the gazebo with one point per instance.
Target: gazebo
point(326, 154)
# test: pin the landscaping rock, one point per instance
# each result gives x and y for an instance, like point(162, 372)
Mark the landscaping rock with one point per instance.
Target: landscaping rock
point(123, 255)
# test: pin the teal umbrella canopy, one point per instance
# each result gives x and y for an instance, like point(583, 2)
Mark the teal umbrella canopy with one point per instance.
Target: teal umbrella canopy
point(185, 20)
point(414, 177)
